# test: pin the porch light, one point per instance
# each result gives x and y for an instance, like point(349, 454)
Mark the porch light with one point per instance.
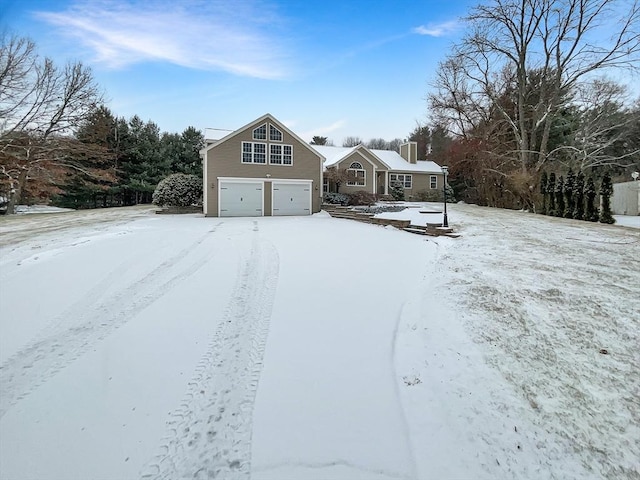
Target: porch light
point(445, 219)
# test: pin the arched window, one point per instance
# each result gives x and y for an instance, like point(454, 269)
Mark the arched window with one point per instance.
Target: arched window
point(358, 175)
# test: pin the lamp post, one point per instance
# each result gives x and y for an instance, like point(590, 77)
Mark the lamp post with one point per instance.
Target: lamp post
point(445, 219)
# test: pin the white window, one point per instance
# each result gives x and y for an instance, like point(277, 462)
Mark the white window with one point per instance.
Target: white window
point(287, 155)
point(404, 179)
point(254, 152)
point(280, 154)
point(359, 173)
point(260, 133)
point(275, 135)
point(325, 185)
point(275, 157)
point(433, 181)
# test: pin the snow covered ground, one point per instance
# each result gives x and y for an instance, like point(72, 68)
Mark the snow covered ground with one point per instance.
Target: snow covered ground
point(135, 345)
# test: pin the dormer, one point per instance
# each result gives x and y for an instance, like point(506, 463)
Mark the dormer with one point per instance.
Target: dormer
point(409, 151)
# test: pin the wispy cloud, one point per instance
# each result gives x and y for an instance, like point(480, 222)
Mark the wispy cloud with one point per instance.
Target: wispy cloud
point(437, 29)
point(235, 37)
point(324, 130)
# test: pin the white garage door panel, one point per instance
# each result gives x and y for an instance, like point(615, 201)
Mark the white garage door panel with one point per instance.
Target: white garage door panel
point(241, 199)
point(291, 199)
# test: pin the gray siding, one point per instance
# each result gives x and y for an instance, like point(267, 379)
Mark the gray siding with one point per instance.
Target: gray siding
point(225, 160)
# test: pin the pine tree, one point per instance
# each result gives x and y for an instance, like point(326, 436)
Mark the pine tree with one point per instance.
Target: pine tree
point(551, 188)
point(569, 190)
point(591, 214)
point(559, 197)
point(606, 190)
point(578, 211)
point(543, 191)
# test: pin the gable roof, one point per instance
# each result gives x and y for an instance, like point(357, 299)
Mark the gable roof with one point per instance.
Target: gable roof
point(390, 158)
point(266, 117)
point(395, 162)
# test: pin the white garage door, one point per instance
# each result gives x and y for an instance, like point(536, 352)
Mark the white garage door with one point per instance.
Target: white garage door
point(291, 198)
point(240, 199)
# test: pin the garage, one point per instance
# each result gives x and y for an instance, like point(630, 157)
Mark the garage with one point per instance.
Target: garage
point(292, 198)
point(241, 199)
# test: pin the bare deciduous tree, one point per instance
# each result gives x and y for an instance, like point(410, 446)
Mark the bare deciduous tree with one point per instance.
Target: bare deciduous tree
point(520, 61)
point(603, 128)
point(352, 141)
point(40, 106)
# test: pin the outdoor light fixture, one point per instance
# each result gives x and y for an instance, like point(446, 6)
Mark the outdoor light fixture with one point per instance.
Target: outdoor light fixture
point(445, 220)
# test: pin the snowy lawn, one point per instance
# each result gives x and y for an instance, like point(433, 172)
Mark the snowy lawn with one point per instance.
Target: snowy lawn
point(135, 345)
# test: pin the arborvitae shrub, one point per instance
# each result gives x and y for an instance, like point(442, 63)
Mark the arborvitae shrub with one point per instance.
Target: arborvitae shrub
point(560, 197)
point(590, 214)
point(569, 190)
point(543, 191)
point(606, 190)
point(551, 191)
point(178, 190)
point(578, 210)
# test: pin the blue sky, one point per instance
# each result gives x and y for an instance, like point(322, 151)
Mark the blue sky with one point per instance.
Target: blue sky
point(331, 68)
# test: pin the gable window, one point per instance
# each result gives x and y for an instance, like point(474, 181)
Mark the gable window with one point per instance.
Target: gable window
point(275, 135)
point(359, 173)
point(433, 182)
point(280, 154)
point(260, 133)
point(254, 152)
point(405, 180)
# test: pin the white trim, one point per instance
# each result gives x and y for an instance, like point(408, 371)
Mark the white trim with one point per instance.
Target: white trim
point(294, 182)
point(266, 133)
point(282, 146)
point(253, 153)
point(375, 181)
point(283, 128)
point(404, 175)
point(386, 182)
point(277, 130)
point(205, 182)
point(350, 153)
point(241, 180)
point(364, 177)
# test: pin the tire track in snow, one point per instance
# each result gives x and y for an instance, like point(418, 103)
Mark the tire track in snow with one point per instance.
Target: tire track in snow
point(209, 435)
point(88, 322)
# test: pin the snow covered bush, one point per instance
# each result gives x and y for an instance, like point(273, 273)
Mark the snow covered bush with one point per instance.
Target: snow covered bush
point(397, 191)
point(335, 198)
point(429, 196)
point(362, 198)
point(178, 190)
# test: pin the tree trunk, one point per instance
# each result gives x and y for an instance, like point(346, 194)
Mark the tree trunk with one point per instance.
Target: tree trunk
point(15, 195)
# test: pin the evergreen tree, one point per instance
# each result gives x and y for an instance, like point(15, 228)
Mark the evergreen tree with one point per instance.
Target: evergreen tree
point(606, 190)
point(591, 214)
point(544, 180)
point(578, 211)
point(551, 189)
point(396, 190)
point(559, 197)
point(569, 189)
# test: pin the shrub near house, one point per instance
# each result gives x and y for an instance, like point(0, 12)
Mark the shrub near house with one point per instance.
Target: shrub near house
point(178, 190)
